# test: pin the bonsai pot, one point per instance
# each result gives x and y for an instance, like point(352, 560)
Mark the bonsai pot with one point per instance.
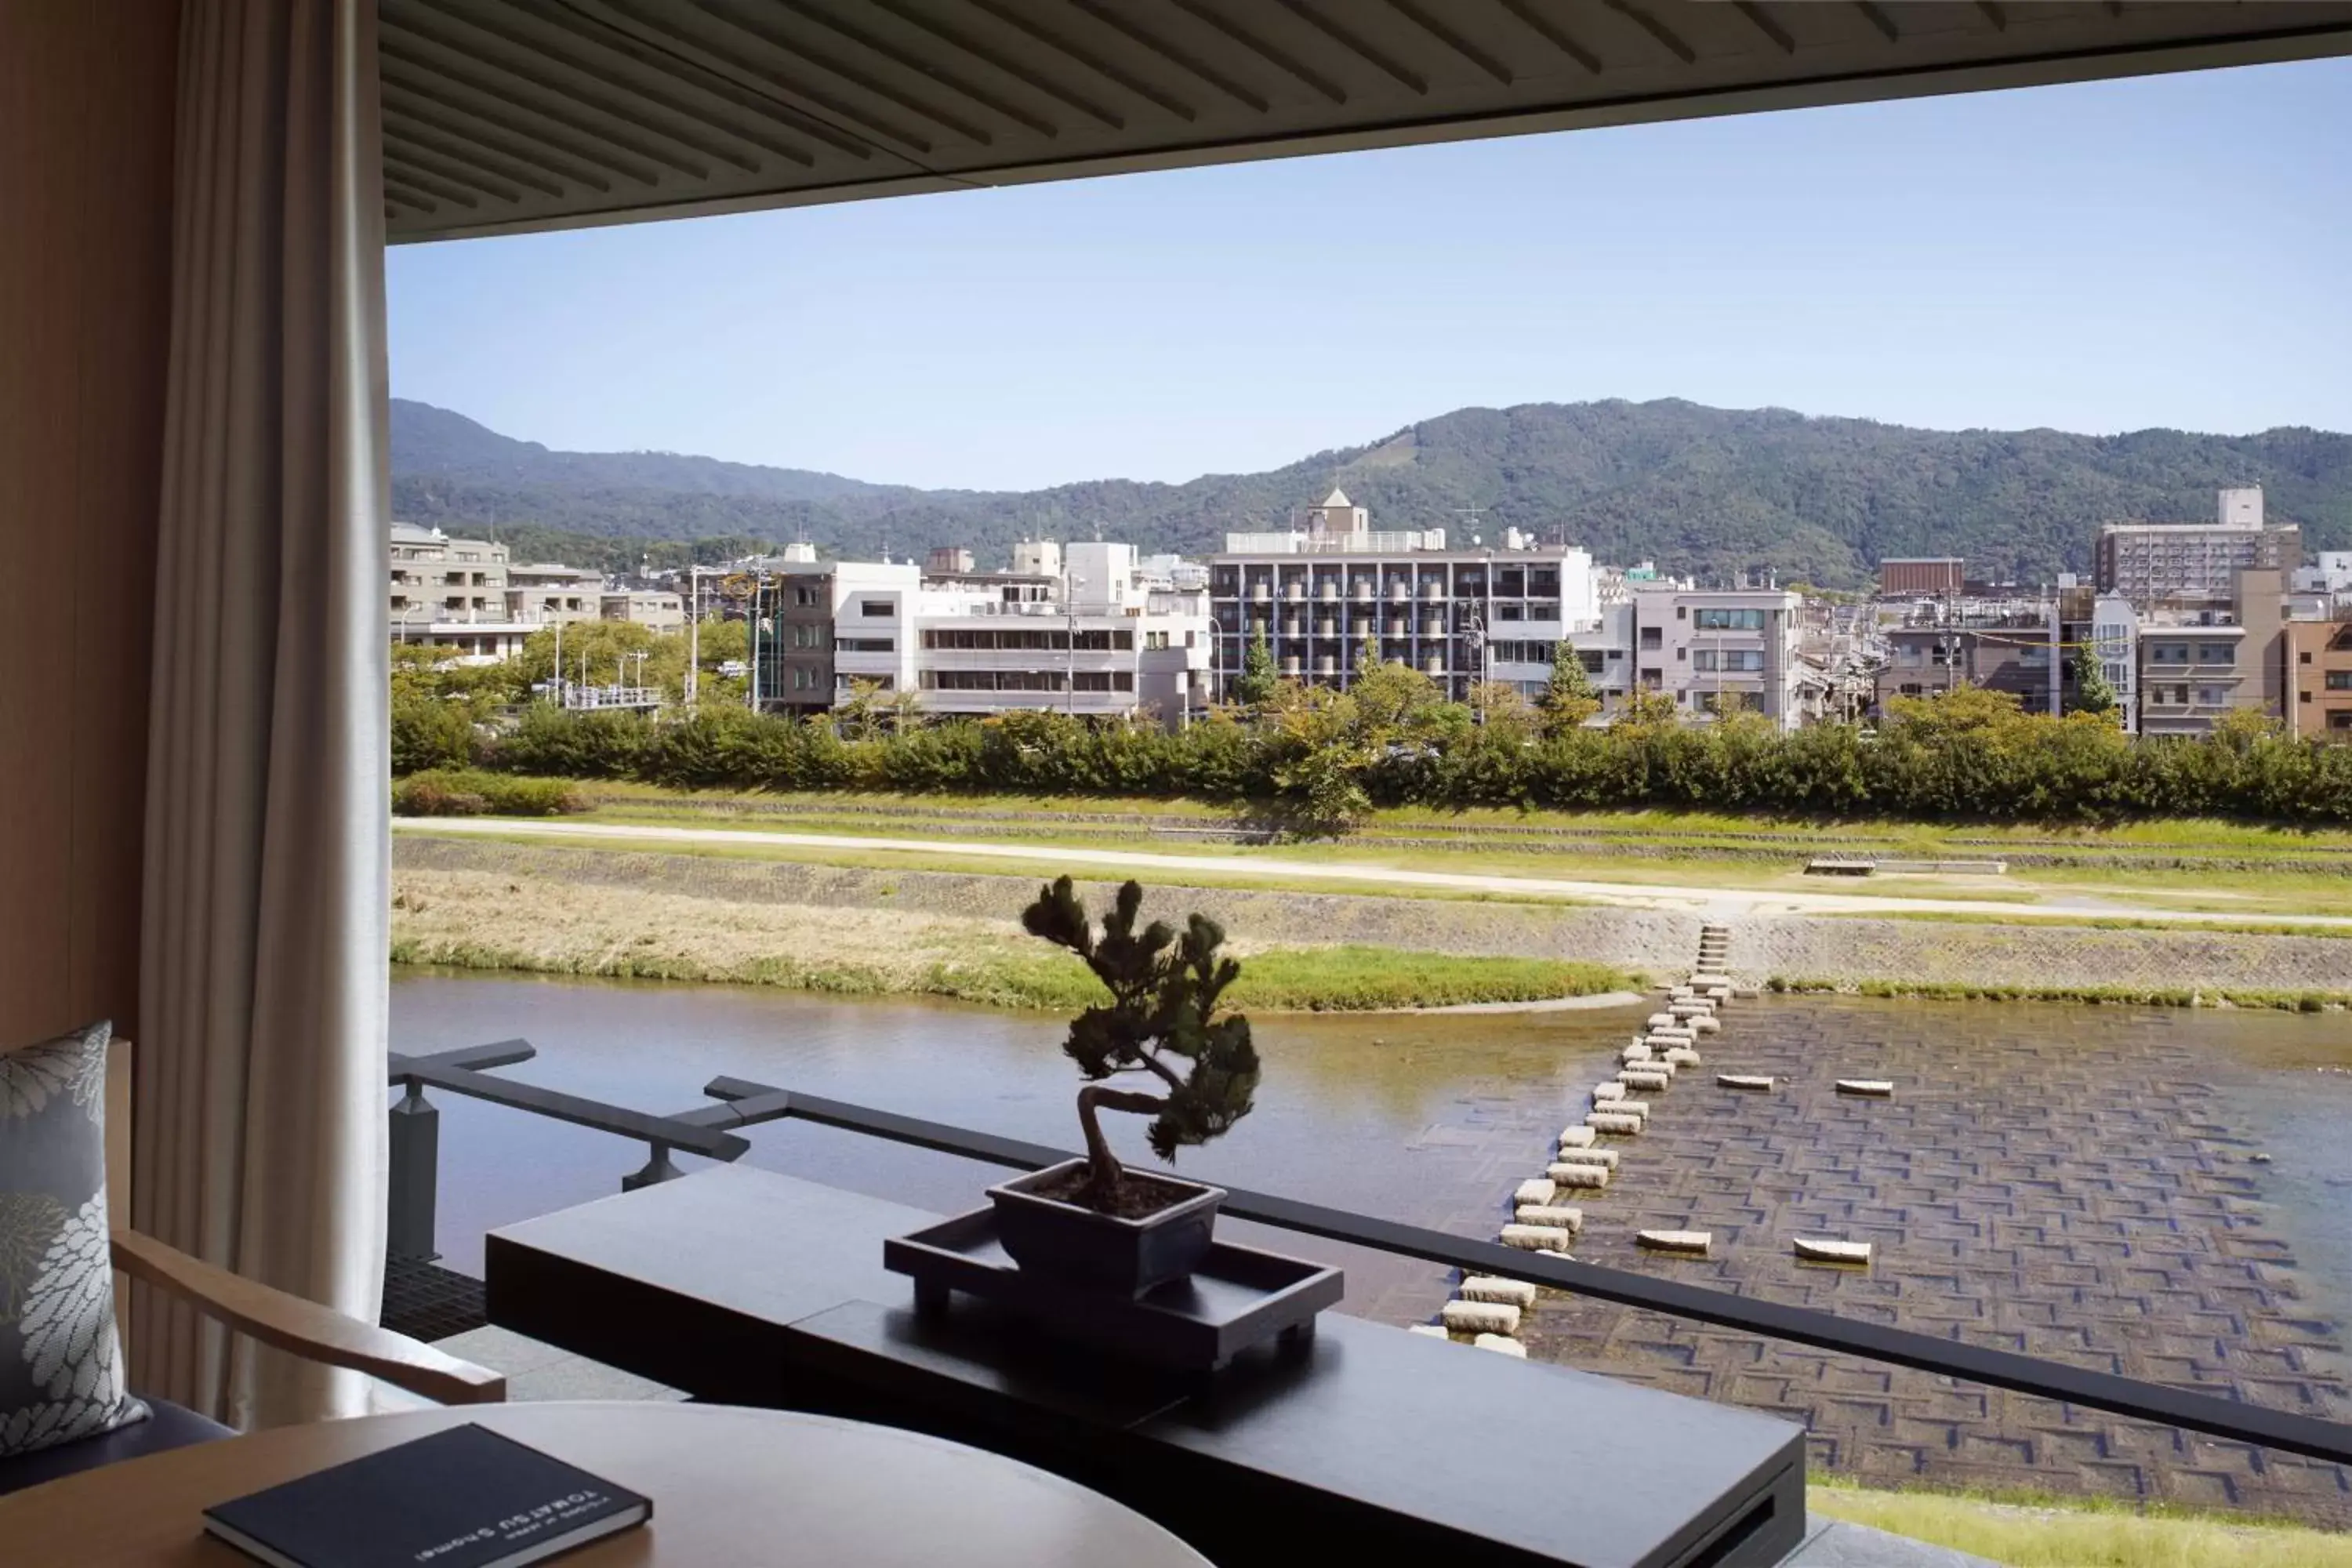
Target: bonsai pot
point(1104, 1252)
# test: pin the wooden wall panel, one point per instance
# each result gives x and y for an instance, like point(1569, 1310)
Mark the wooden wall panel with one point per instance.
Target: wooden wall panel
point(86, 132)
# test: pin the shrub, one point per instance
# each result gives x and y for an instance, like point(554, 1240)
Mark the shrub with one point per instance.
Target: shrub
point(472, 792)
point(430, 733)
point(1321, 759)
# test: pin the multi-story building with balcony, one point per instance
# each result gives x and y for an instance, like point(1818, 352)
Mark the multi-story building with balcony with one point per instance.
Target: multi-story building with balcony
point(2319, 674)
point(657, 608)
point(2004, 645)
point(2199, 664)
point(1325, 594)
point(1712, 648)
point(1096, 638)
point(2152, 563)
point(550, 592)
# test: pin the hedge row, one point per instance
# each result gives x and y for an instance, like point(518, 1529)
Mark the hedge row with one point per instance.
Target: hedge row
point(2022, 768)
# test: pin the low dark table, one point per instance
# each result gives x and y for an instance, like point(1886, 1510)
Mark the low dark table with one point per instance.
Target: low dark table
point(743, 1287)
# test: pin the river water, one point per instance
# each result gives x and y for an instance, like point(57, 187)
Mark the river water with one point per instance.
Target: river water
point(2054, 1178)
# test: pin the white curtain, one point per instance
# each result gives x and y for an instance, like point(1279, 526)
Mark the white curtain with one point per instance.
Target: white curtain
point(260, 1112)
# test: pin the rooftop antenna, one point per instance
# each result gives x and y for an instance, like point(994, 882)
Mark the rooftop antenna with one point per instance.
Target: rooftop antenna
point(1471, 513)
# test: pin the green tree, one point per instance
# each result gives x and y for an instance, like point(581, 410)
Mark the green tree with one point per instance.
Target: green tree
point(1255, 685)
point(1569, 699)
point(1162, 1020)
point(2093, 694)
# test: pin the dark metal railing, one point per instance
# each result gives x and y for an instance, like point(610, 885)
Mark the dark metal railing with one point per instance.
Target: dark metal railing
point(415, 1141)
point(710, 1129)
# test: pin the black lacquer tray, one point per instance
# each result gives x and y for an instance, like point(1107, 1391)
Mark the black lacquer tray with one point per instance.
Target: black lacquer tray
point(1238, 1297)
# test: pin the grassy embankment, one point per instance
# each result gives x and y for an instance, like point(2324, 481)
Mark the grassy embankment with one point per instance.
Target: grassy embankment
point(2254, 870)
point(2072, 1534)
point(488, 921)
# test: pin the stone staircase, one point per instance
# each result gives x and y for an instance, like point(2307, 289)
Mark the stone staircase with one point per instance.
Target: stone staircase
point(1714, 953)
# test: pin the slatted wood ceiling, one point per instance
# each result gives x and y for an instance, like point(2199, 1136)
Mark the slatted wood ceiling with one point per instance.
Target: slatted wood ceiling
point(504, 115)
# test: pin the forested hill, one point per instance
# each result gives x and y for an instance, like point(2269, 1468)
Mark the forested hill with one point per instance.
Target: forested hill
point(1705, 490)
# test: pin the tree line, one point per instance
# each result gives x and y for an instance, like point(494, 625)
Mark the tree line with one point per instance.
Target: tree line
point(1317, 760)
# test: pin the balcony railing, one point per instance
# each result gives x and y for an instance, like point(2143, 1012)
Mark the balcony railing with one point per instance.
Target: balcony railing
point(715, 1132)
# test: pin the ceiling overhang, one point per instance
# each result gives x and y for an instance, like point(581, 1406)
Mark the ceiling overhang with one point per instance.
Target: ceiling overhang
point(510, 116)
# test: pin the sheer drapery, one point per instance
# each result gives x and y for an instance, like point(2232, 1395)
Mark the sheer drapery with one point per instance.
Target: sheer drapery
point(259, 1107)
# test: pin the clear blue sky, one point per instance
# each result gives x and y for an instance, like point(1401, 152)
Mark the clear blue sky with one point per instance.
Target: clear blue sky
point(2172, 250)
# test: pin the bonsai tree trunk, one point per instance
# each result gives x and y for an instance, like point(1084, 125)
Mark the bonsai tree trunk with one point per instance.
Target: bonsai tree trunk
point(1105, 1174)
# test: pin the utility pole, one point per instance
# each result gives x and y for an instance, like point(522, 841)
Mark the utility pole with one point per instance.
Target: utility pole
point(752, 639)
point(556, 674)
point(693, 628)
point(1070, 648)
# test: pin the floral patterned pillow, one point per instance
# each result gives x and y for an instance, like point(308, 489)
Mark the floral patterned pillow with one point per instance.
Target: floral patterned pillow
point(60, 1362)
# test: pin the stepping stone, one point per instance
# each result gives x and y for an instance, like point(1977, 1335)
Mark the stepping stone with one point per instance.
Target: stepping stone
point(1640, 1108)
point(1661, 1020)
point(1535, 1237)
point(1622, 1126)
point(1873, 1088)
point(1430, 1330)
point(1602, 1093)
point(1636, 1052)
point(1535, 1191)
point(1560, 1215)
point(1501, 1346)
point(1703, 983)
point(1575, 1137)
point(1479, 1317)
point(1566, 1174)
point(1743, 1080)
point(1684, 1241)
point(1681, 993)
point(1633, 1078)
point(1683, 1057)
point(1605, 1158)
point(1494, 1288)
point(1823, 1250)
point(1707, 1026)
point(1722, 994)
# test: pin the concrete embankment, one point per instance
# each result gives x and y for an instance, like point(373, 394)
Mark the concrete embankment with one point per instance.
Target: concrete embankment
point(1818, 950)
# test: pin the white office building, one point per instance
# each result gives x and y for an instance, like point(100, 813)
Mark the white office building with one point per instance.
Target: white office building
point(1323, 594)
point(1097, 637)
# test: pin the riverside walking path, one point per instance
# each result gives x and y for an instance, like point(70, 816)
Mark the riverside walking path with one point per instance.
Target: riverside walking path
point(1634, 895)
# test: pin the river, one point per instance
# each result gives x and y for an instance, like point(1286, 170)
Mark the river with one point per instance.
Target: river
point(2054, 1178)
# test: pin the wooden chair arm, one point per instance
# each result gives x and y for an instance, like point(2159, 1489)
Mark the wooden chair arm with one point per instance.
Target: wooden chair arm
point(303, 1328)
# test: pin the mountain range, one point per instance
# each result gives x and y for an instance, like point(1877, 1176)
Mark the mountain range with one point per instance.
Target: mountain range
point(1708, 492)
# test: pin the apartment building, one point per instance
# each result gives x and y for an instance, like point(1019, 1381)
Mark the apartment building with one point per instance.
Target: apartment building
point(1325, 593)
point(2102, 628)
point(2199, 664)
point(2318, 672)
point(1097, 637)
point(467, 594)
point(2153, 563)
point(1710, 649)
point(2000, 647)
point(551, 592)
point(657, 608)
point(452, 592)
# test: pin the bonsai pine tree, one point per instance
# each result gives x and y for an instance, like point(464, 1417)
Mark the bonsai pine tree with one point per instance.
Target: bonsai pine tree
point(1162, 1021)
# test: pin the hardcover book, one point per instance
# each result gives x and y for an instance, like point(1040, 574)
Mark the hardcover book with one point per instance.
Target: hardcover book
point(466, 1498)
